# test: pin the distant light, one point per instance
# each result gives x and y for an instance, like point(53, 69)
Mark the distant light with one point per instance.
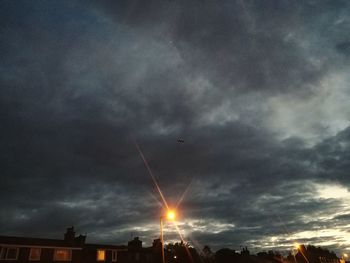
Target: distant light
point(175, 257)
point(171, 215)
point(296, 245)
point(345, 255)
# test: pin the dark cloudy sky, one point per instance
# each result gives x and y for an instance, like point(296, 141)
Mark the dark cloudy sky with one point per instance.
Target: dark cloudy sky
point(259, 91)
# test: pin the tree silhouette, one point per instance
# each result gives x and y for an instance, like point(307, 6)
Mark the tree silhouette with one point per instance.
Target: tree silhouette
point(181, 253)
point(207, 255)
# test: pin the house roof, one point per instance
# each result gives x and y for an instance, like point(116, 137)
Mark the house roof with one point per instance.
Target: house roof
point(52, 243)
point(37, 242)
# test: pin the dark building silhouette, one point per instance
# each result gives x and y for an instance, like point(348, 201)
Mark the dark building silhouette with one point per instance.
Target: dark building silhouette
point(312, 254)
point(309, 254)
point(71, 249)
point(74, 249)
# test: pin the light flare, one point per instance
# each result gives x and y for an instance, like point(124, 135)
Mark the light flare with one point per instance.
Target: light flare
point(152, 176)
point(170, 213)
point(298, 247)
point(183, 195)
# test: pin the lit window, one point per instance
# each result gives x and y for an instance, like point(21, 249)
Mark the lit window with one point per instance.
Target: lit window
point(114, 255)
point(62, 255)
point(101, 255)
point(9, 253)
point(34, 254)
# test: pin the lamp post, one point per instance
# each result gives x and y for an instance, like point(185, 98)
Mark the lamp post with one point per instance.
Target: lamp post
point(170, 215)
point(295, 250)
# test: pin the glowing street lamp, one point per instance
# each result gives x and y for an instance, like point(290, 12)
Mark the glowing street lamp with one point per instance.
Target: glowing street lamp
point(344, 257)
point(170, 215)
point(295, 249)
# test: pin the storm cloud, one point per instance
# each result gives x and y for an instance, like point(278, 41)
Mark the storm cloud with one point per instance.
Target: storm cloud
point(258, 91)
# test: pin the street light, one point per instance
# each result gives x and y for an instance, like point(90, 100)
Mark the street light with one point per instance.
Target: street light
point(295, 250)
point(297, 246)
point(170, 215)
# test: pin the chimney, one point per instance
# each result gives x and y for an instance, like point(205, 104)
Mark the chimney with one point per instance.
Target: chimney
point(135, 244)
point(70, 234)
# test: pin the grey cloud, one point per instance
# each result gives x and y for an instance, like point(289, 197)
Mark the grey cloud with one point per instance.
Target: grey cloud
point(76, 93)
point(343, 47)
